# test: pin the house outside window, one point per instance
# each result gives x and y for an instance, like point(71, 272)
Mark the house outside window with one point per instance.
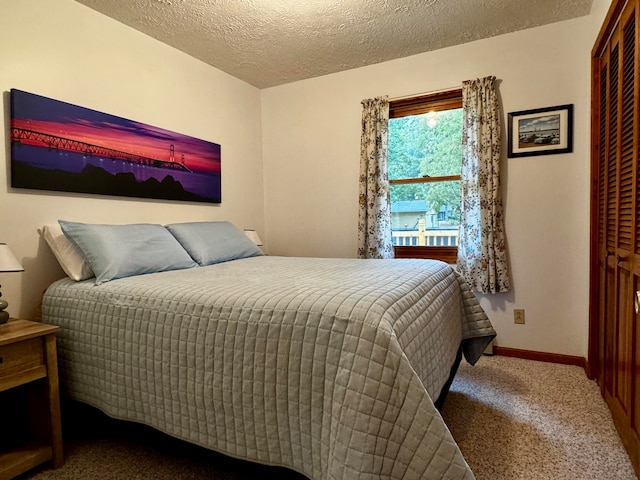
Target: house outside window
point(425, 158)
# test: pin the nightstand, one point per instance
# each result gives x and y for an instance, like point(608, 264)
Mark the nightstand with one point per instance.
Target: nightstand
point(30, 427)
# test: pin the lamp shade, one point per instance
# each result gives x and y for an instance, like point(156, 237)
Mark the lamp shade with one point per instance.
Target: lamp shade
point(8, 262)
point(253, 236)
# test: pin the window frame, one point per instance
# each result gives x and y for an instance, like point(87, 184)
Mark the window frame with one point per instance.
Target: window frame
point(417, 105)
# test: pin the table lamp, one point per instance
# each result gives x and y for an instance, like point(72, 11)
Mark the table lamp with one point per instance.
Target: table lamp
point(8, 263)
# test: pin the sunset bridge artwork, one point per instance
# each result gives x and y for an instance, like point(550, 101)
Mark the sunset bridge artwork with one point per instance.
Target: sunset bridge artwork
point(22, 136)
point(60, 146)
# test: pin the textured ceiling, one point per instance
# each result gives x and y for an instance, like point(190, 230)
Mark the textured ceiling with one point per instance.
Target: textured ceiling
point(271, 42)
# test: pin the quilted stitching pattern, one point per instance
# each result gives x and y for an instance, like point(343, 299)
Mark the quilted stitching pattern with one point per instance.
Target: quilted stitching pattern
point(322, 365)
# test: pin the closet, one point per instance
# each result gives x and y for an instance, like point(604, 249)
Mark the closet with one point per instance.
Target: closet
point(614, 333)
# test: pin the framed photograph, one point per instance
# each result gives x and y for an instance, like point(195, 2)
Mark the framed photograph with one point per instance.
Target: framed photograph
point(64, 147)
point(542, 131)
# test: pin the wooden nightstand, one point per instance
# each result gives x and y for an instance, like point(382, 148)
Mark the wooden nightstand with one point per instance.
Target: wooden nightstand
point(29, 397)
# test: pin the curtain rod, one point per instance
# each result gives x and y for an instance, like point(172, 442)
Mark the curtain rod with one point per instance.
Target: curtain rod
point(402, 97)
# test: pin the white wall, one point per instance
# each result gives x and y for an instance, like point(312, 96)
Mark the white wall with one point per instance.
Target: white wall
point(311, 132)
point(66, 51)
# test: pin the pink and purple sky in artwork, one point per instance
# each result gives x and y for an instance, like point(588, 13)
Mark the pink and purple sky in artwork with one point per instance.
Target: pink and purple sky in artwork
point(89, 126)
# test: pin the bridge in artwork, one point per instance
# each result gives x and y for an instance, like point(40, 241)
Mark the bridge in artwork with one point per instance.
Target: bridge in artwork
point(31, 137)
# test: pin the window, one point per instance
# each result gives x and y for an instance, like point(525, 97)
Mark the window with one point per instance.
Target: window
point(425, 157)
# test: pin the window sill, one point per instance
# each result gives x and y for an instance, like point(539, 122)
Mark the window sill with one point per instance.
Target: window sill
point(445, 254)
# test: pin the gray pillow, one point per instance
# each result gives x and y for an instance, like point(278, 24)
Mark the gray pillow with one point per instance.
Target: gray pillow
point(214, 242)
point(117, 251)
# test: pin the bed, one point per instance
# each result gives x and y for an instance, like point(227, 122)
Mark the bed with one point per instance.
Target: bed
point(330, 367)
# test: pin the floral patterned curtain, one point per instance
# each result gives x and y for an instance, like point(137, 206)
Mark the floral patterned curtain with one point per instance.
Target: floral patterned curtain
point(374, 219)
point(482, 258)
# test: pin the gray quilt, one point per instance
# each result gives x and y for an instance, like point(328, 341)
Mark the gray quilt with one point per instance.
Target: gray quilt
point(325, 366)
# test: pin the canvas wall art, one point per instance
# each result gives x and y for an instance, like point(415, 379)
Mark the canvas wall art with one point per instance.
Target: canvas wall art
point(59, 146)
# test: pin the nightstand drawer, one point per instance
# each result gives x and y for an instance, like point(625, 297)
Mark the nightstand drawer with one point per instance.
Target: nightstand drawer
point(21, 362)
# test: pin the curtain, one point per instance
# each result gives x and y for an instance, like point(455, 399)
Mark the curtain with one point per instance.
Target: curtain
point(374, 217)
point(482, 258)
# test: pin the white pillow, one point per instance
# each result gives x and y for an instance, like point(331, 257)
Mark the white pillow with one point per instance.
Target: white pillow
point(69, 256)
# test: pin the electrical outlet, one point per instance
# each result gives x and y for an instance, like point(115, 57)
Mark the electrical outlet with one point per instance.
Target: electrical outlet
point(518, 316)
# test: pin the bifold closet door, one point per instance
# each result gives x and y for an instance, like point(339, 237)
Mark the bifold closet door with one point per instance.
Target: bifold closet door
point(616, 213)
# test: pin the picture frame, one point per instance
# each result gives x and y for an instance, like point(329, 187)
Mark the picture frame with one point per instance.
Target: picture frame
point(540, 131)
point(63, 147)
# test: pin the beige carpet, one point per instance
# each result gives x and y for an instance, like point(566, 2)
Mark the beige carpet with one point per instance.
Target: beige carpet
point(513, 419)
point(520, 419)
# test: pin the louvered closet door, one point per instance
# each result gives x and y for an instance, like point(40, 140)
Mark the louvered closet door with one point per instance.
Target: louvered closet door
point(617, 235)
